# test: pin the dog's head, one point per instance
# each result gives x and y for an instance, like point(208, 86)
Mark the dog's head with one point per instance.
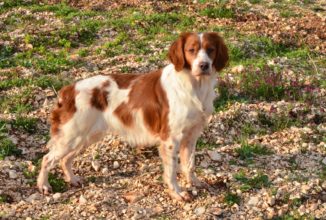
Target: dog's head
point(202, 54)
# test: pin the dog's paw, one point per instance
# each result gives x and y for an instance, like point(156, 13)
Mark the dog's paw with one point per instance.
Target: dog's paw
point(182, 196)
point(44, 188)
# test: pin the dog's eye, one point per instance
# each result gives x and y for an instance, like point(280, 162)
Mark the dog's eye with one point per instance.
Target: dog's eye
point(210, 50)
point(192, 50)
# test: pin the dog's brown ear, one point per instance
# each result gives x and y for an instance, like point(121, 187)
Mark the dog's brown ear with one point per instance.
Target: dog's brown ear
point(222, 55)
point(176, 52)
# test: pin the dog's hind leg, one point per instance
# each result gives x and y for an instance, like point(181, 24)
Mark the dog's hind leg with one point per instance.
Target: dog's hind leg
point(66, 165)
point(59, 148)
point(94, 135)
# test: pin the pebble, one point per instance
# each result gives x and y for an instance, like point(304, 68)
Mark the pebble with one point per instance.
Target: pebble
point(116, 164)
point(194, 192)
point(13, 174)
point(324, 161)
point(56, 196)
point(237, 69)
point(215, 156)
point(270, 213)
point(200, 210)
point(204, 164)
point(271, 201)
point(96, 165)
point(187, 207)
point(33, 197)
point(302, 210)
point(253, 201)
point(216, 211)
point(105, 171)
point(82, 200)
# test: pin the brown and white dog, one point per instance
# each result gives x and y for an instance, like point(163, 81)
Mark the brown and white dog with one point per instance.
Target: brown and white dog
point(168, 107)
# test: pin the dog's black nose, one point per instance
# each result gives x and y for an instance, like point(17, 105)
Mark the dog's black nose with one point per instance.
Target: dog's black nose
point(204, 66)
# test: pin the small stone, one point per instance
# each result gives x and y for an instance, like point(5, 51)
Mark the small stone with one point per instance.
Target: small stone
point(253, 201)
point(28, 218)
point(82, 200)
point(235, 208)
point(302, 210)
point(56, 196)
point(116, 164)
point(48, 199)
point(324, 161)
point(271, 201)
point(237, 69)
point(204, 164)
point(105, 171)
point(194, 192)
point(216, 211)
point(305, 189)
point(33, 197)
point(96, 165)
point(200, 210)
point(133, 196)
point(215, 156)
point(270, 213)
point(13, 174)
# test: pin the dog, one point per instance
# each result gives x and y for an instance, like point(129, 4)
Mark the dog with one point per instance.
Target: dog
point(167, 107)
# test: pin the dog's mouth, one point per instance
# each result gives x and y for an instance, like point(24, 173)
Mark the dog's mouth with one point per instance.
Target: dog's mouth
point(205, 73)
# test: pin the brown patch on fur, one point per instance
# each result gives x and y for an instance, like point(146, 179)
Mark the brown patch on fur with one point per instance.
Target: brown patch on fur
point(65, 108)
point(123, 112)
point(106, 84)
point(176, 52)
point(124, 80)
point(99, 97)
point(148, 96)
point(220, 54)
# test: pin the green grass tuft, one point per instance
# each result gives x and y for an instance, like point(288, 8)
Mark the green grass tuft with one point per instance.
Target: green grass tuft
point(4, 198)
point(248, 151)
point(57, 184)
point(218, 12)
point(231, 199)
point(200, 145)
point(26, 124)
point(257, 182)
point(8, 148)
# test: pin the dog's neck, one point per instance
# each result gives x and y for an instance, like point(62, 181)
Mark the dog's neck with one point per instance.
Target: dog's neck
point(187, 87)
point(201, 85)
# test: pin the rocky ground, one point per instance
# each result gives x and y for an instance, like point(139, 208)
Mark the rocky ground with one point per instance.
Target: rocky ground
point(263, 154)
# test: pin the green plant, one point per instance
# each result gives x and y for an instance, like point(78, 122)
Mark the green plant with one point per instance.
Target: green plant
point(218, 12)
point(201, 144)
point(255, 1)
point(259, 181)
point(49, 81)
point(8, 148)
point(57, 184)
point(4, 198)
point(231, 199)
point(322, 173)
point(26, 124)
point(53, 62)
point(248, 151)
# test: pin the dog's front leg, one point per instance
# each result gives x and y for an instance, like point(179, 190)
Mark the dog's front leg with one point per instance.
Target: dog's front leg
point(187, 156)
point(169, 155)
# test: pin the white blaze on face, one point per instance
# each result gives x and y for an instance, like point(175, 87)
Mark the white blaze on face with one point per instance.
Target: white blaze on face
point(202, 57)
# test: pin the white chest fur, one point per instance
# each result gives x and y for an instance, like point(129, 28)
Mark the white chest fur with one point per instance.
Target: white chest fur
point(190, 100)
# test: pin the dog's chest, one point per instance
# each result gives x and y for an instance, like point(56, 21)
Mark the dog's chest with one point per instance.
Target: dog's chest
point(188, 105)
